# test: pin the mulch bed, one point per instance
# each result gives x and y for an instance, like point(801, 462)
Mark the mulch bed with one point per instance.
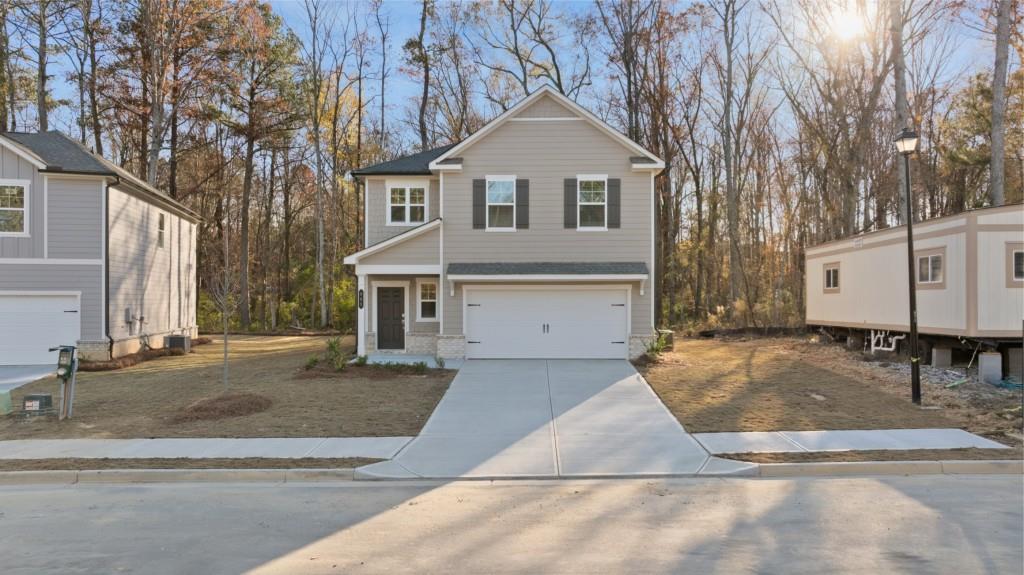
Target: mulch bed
point(223, 405)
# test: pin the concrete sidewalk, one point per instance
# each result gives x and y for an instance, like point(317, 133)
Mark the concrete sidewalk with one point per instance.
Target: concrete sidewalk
point(204, 448)
point(842, 440)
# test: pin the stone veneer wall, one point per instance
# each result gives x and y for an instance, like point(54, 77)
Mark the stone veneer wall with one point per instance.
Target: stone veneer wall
point(451, 346)
point(638, 345)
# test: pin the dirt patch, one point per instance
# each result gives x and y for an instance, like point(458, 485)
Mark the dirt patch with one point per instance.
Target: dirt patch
point(224, 405)
point(219, 463)
point(796, 384)
point(879, 455)
point(128, 360)
point(142, 400)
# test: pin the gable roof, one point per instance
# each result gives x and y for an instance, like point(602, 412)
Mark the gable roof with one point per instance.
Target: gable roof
point(412, 165)
point(55, 153)
point(652, 161)
point(393, 240)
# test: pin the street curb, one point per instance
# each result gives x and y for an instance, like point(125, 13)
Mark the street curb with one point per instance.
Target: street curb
point(302, 475)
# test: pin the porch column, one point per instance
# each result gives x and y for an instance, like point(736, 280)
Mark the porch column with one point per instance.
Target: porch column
point(361, 301)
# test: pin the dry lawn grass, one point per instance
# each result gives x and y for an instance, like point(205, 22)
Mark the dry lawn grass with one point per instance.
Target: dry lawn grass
point(214, 463)
point(879, 455)
point(143, 400)
point(795, 384)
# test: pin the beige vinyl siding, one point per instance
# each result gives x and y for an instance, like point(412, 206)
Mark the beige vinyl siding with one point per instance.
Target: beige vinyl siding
point(546, 153)
point(87, 279)
point(75, 218)
point(413, 326)
point(421, 250)
point(13, 167)
point(1000, 307)
point(545, 107)
point(145, 277)
point(376, 206)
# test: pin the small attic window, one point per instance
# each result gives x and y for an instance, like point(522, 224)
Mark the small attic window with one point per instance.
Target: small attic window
point(160, 227)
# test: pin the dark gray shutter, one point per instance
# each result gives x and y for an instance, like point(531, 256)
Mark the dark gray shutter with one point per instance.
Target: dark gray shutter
point(614, 202)
point(522, 204)
point(479, 204)
point(570, 203)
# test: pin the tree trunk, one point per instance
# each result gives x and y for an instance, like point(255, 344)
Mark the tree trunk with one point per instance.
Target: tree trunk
point(243, 264)
point(44, 123)
point(900, 76)
point(997, 175)
point(425, 64)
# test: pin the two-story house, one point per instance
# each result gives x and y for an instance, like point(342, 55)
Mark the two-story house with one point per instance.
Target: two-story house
point(533, 238)
point(89, 255)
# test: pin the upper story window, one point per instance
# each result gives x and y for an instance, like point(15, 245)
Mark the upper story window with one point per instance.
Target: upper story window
point(407, 204)
point(501, 203)
point(592, 202)
point(929, 269)
point(160, 227)
point(832, 278)
point(14, 207)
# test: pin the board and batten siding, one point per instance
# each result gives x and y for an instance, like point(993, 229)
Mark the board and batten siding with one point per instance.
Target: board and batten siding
point(87, 279)
point(377, 228)
point(424, 249)
point(13, 167)
point(75, 217)
point(546, 153)
point(145, 278)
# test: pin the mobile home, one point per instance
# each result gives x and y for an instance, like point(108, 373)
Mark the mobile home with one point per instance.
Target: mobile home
point(969, 270)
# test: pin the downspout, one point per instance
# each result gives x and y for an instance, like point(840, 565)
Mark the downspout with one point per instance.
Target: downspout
point(106, 264)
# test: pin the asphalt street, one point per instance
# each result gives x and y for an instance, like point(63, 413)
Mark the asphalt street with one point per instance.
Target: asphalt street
point(922, 524)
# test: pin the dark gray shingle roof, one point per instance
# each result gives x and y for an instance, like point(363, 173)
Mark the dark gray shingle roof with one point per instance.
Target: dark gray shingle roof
point(548, 268)
point(60, 153)
point(412, 165)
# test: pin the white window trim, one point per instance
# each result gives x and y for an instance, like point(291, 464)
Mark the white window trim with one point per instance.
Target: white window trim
point(26, 211)
point(161, 233)
point(591, 178)
point(487, 203)
point(406, 184)
point(931, 280)
point(419, 300)
point(1013, 265)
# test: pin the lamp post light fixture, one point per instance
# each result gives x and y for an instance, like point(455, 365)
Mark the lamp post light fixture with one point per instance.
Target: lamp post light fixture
point(906, 144)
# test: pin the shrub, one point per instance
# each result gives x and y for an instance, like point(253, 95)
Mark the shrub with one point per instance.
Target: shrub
point(335, 354)
point(439, 361)
point(312, 362)
point(361, 360)
point(419, 368)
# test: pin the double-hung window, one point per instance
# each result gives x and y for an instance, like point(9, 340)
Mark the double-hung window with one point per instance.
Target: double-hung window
point(592, 202)
point(160, 227)
point(407, 204)
point(1014, 264)
point(426, 300)
point(1018, 265)
point(501, 203)
point(14, 207)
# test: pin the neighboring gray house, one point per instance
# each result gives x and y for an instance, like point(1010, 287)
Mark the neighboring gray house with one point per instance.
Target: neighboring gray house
point(89, 254)
point(533, 238)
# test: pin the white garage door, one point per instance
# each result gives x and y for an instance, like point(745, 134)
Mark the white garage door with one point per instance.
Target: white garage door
point(546, 323)
point(31, 324)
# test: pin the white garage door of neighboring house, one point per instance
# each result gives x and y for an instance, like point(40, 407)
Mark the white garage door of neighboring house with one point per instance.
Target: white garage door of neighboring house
point(547, 323)
point(31, 324)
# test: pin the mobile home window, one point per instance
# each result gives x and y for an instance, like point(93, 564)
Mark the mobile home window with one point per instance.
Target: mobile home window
point(13, 208)
point(1018, 265)
point(407, 204)
point(929, 269)
point(832, 277)
point(160, 227)
point(592, 202)
point(501, 203)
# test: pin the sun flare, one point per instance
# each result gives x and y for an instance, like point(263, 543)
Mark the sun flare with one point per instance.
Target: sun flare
point(847, 23)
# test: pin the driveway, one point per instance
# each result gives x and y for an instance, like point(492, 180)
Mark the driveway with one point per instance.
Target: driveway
point(14, 376)
point(547, 418)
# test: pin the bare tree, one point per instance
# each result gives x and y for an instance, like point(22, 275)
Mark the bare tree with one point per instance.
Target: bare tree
point(998, 175)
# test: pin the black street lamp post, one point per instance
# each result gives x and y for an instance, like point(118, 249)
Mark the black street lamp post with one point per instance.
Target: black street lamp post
point(906, 144)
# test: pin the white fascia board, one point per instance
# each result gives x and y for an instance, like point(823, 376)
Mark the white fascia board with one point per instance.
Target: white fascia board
point(435, 167)
point(23, 153)
point(657, 167)
point(387, 269)
point(547, 277)
point(417, 231)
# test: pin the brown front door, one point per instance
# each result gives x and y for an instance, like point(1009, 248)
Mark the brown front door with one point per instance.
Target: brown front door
point(390, 318)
